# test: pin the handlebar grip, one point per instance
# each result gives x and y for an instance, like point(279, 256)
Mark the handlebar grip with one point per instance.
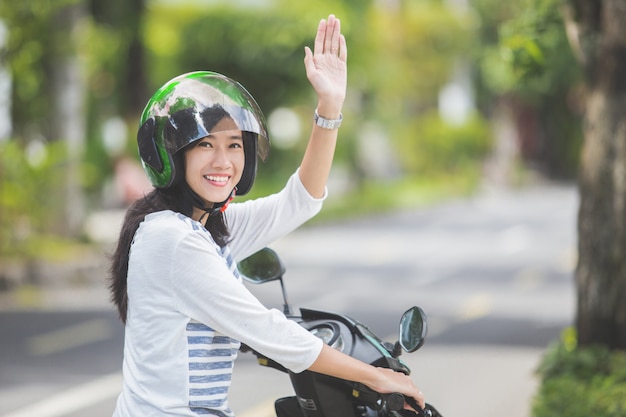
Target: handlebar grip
point(387, 403)
point(394, 401)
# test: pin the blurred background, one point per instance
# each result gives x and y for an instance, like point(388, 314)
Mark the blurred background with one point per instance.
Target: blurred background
point(443, 95)
point(449, 101)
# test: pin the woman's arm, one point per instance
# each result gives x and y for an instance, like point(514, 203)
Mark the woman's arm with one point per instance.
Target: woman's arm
point(326, 70)
point(385, 381)
point(259, 222)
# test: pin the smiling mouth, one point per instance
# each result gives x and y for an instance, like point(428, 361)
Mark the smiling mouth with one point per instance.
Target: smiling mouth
point(219, 179)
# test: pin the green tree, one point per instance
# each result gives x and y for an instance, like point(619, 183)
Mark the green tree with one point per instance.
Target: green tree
point(525, 64)
point(407, 51)
point(123, 71)
point(535, 61)
point(29, 56)
point(47, 100)
point(399, 58)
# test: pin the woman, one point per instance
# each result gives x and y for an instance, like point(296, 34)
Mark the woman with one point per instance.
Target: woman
point(173, 277)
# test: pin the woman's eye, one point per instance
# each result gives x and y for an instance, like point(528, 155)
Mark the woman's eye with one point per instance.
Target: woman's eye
point(236, 145)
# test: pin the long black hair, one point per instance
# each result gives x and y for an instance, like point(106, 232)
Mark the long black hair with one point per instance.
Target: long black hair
point(179, 198)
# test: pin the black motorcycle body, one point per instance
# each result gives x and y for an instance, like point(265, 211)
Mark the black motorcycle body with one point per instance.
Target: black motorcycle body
point(319, 395)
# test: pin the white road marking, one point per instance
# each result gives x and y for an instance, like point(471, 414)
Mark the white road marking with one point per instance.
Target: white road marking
point(69, 337)
point(264, 409)
point(528, 279)
point(475, 307)
point(73, 399)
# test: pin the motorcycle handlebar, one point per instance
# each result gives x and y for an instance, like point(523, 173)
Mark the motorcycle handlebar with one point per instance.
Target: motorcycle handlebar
point(389, 404)
point(395, 402)
point(392, 402)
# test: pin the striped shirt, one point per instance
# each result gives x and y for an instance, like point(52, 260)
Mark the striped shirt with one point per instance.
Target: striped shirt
point(211, 359)
point(188, 308)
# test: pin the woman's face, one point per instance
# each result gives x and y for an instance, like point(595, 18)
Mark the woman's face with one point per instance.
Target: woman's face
point(214, 164)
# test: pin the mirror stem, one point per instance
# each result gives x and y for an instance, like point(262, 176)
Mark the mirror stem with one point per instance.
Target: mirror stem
point(397, 350)
point(286, 307)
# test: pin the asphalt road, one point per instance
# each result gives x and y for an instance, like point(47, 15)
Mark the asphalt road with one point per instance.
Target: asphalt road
point(493, 273)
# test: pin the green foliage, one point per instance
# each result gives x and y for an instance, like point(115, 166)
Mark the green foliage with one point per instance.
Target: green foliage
point(404, 57)
point(578, 382)
point(263, 51)
point(433, 146)
point(378, 197)
point(27, 54)
point(524, 53)
point(531, 54)
point(398, 60)
point(408, 54)
point(31, 193)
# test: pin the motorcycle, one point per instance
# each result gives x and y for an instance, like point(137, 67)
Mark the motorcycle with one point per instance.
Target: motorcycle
point(319, 395)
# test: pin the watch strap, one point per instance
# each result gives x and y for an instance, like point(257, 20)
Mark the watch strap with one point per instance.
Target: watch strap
point(327, 123)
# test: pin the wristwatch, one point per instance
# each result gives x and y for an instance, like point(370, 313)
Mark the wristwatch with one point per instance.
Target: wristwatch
point(327, 123)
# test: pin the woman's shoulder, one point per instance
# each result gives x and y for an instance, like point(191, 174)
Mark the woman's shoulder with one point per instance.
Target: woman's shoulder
point(170, 222)
point(166, 234)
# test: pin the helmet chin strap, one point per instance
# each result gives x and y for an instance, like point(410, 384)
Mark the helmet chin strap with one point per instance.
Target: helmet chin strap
point(211, 211)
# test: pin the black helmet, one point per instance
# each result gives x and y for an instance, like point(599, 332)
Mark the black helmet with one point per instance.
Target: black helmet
point(185, 110)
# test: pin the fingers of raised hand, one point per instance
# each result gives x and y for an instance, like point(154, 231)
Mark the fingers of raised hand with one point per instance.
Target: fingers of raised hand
point(328, 39)
point(331, 41)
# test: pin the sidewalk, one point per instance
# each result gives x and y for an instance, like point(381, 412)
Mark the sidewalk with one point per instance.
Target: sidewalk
point(76, 285)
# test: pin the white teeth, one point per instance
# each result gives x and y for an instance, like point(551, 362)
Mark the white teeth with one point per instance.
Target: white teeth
point(216, 179)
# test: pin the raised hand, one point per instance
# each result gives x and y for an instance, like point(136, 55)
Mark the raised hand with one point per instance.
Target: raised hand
point(326, 67)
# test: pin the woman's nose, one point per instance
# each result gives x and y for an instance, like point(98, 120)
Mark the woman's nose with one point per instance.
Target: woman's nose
point(220, 158)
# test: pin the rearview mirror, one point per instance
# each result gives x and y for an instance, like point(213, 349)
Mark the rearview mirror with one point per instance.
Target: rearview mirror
point(262, 266)
point(265, 266)
point(413, 329)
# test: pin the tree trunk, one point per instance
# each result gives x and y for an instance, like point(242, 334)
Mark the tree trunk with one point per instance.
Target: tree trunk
point(136, 90)
point(69, 112)
point(596, 32)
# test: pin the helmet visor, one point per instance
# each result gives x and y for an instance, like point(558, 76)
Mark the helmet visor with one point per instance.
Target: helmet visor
point(193, 105)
